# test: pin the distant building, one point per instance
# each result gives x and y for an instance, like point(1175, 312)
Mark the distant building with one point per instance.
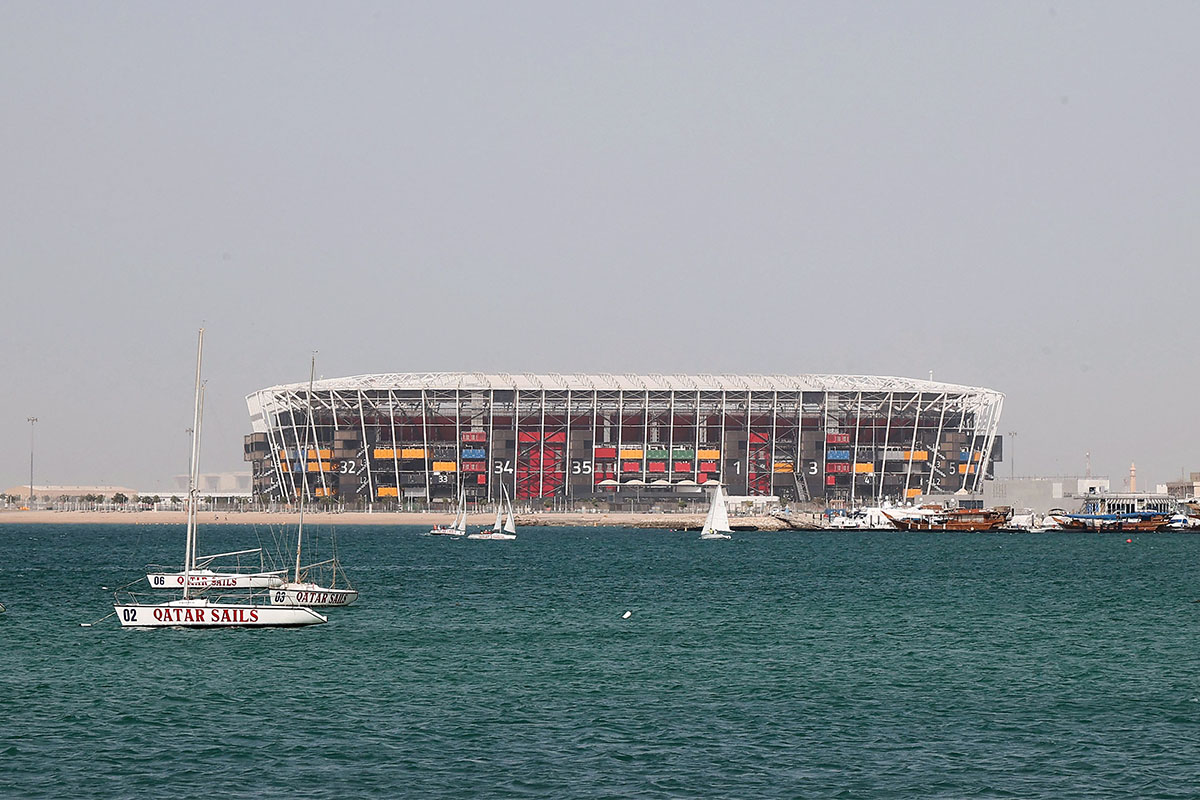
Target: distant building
point(1184, 488)
point(218, 483)
point(1042, 494)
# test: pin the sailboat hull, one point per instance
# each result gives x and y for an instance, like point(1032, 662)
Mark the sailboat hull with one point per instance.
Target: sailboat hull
point(207, 579)
point(491, 535)
point(205, 614)
point(312, 595)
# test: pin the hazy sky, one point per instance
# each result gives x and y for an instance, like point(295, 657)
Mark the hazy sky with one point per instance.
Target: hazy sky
point(1005, 193)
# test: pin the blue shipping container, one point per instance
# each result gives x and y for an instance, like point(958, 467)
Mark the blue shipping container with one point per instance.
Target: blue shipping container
point(474, 453)
point(837, 455)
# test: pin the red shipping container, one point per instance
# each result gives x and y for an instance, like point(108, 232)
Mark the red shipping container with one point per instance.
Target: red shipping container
point(759, 438)
point(683, 466)
point(631, 466)
point(482, 481)
point(701, 478)
point(708, 466)
point(830, 480)
point(656, 466)
point(474, 436)
point(606, 452)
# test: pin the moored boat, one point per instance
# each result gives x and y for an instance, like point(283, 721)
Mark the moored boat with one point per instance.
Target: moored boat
point(204, 577)
point(205, 612)
point(959, 519)
point(1134, 522)
point(308, 593)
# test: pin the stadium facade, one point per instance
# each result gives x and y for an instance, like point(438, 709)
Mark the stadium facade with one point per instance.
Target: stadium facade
point(378, 439)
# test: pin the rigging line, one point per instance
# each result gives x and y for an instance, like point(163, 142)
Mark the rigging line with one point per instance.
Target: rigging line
point(271, 553)
point(97, 622)
point(126, 586)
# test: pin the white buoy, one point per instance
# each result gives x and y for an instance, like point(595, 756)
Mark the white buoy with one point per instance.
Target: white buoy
point(627, 615)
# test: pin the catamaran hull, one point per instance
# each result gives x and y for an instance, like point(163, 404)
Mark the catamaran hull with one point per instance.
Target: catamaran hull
point(313, 596)
point(215, 615)
point(206, 579)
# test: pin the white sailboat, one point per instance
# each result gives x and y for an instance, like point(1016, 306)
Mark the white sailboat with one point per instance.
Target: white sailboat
point(459, 526)
point(504, 527)
point(303, 589)
point(204, 577)
point(716, 524)
point(204, 611)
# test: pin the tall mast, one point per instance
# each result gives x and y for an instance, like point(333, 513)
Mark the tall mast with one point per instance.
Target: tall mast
point(308, 421)
point(189, 556)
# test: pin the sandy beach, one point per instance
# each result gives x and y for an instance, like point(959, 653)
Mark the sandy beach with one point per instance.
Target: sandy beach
point(585, 520)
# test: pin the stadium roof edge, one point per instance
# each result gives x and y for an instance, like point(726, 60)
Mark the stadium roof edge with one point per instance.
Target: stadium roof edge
point(449, 381)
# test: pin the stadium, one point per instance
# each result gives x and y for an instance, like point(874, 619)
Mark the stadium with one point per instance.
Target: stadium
point(378, 440)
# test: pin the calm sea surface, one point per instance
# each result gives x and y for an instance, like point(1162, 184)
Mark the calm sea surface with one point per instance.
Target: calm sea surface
point(790, 665)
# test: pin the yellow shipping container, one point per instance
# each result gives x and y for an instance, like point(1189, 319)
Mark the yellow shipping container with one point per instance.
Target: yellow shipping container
point(864, 468)
point(320, 466)
point(325, 492)
point(412, 452)
point(445, 466)
point(631, 454)
point(313, 455)
point(911, 493)
point(708, 454)
point(387, 491)
point(962, 469)
point(916, 455)
point(782, 467)
point(384, 452)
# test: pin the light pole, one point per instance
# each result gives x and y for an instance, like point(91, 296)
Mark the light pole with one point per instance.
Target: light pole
point(1012, 455)
point(31, 421)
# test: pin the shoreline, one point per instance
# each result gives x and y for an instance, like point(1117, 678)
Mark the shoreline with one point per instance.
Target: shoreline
point(394, 518)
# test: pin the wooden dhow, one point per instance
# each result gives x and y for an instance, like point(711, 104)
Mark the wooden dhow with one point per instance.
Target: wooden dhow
point(959, 519)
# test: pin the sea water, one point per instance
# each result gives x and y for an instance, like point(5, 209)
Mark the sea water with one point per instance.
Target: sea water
point(775, 665)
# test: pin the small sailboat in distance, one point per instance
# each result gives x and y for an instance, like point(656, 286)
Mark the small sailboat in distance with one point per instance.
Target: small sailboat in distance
point(191, 611)
point(716, 524)
point(504, 527)
point(459, 526)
